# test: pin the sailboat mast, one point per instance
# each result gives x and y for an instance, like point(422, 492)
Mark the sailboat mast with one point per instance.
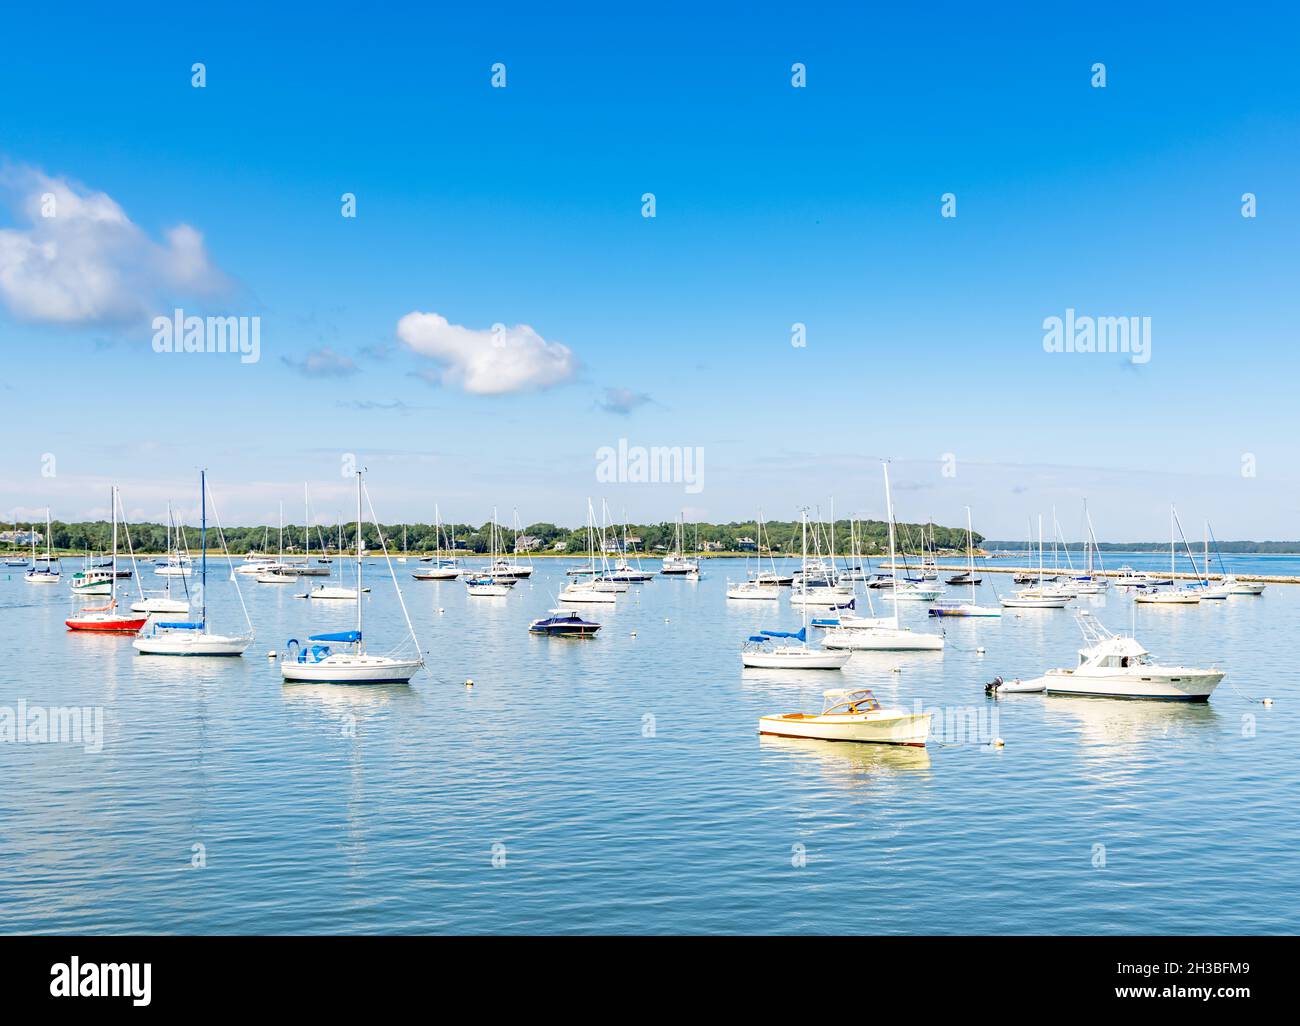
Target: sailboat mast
point(893, 562)
point(113, 589)
point(970, 555)
point(203, 546)
point(306, 526)
point(360, 601)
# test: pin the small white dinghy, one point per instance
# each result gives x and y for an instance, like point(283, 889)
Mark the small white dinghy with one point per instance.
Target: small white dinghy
point(851, 715)
point(998, 686)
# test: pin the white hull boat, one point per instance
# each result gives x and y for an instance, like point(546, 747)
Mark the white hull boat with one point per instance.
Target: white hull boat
point(1236, 587)
point(753, 590)
point(963, 609)
point(851, 716)
point(328, 591)
point(161, 604)
point(882, 639)
point(587, 593)
point(347, 668)
point(1112, 666)
point(793, 657)
point(189, 642)
point(1172, 597)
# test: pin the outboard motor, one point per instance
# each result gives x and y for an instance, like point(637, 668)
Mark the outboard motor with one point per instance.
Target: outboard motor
point(991, 688)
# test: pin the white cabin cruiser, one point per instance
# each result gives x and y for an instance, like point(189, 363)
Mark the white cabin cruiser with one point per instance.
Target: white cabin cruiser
point(1114, 666)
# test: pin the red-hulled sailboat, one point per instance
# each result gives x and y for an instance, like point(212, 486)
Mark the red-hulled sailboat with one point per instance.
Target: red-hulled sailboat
point(106, 619)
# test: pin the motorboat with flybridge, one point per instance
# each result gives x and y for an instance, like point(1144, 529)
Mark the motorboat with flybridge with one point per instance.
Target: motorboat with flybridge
point(850, 714)
point(848, 632)
point(196, 637)
point(315, 661)
point(1115, 666)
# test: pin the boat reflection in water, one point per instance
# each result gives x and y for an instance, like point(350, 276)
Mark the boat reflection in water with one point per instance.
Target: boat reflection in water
point(848, 762)
point(1106, 723)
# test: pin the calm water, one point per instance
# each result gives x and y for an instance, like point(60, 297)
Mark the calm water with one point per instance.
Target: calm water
point(335, 809)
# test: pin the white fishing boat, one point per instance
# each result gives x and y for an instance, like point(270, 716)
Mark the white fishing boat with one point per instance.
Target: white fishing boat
point(195, 637)
point(315, 661)
point(890, 636)
point(1114, 666)
point(1236, 587)
point(1040, 597)
point(851, 715)
point(789, 650)
point(46, 570)
point(969, 608)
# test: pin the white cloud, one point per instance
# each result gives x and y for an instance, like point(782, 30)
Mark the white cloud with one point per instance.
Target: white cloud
point(80, 259)
point(488, 361)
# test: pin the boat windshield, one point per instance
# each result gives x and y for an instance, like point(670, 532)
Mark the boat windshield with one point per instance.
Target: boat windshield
point(847, 702)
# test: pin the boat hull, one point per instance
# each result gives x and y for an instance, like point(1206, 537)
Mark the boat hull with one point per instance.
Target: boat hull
point(905, 729)
point(351, 670)
point(106, 625)
point(811, 659)
point(179, 644)
point(875, 639)
point(1169, 685)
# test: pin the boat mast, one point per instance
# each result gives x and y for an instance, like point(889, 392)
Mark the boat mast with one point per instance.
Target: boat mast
point(360, 602)
point(306, 527)
point(970, 554)
point(203, 548)
point(112, 591)
point(893, 563)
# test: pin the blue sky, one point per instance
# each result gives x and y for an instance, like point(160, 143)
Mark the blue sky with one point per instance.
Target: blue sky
point(774, 205)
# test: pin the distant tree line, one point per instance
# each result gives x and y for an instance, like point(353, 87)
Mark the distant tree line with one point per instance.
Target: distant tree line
point(869, 536)
point(1223, 546)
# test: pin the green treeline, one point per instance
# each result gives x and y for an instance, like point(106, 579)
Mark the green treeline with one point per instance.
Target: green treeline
point(648, 539)
point(1223, 546)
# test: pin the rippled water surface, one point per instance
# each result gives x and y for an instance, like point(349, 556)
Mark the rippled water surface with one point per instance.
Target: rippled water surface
point(382, 809)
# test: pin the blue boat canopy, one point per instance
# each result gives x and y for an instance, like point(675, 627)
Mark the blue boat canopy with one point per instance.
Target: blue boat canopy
point(800, 634)
point(351, 637)
point(182, 625)
point(757, 637)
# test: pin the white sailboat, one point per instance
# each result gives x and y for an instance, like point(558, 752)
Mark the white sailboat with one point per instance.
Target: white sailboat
point(890, 636)
point(316, 662)
point(755, 587)
point(278, 572)
point(676, 564)
point(45, 570)
point(164, 602)
point(970, 608)
point(195, 637)
point(441, 569)
point(786, 650)
point(1173, 595)
point(593, 590)
point(491, 584)
point(339, 591)
point(1039, 597)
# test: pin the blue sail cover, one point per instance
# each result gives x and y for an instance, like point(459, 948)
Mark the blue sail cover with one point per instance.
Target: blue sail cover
point(799, 635)
point(182, 625)
point(351, 637)
point(757, 637)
